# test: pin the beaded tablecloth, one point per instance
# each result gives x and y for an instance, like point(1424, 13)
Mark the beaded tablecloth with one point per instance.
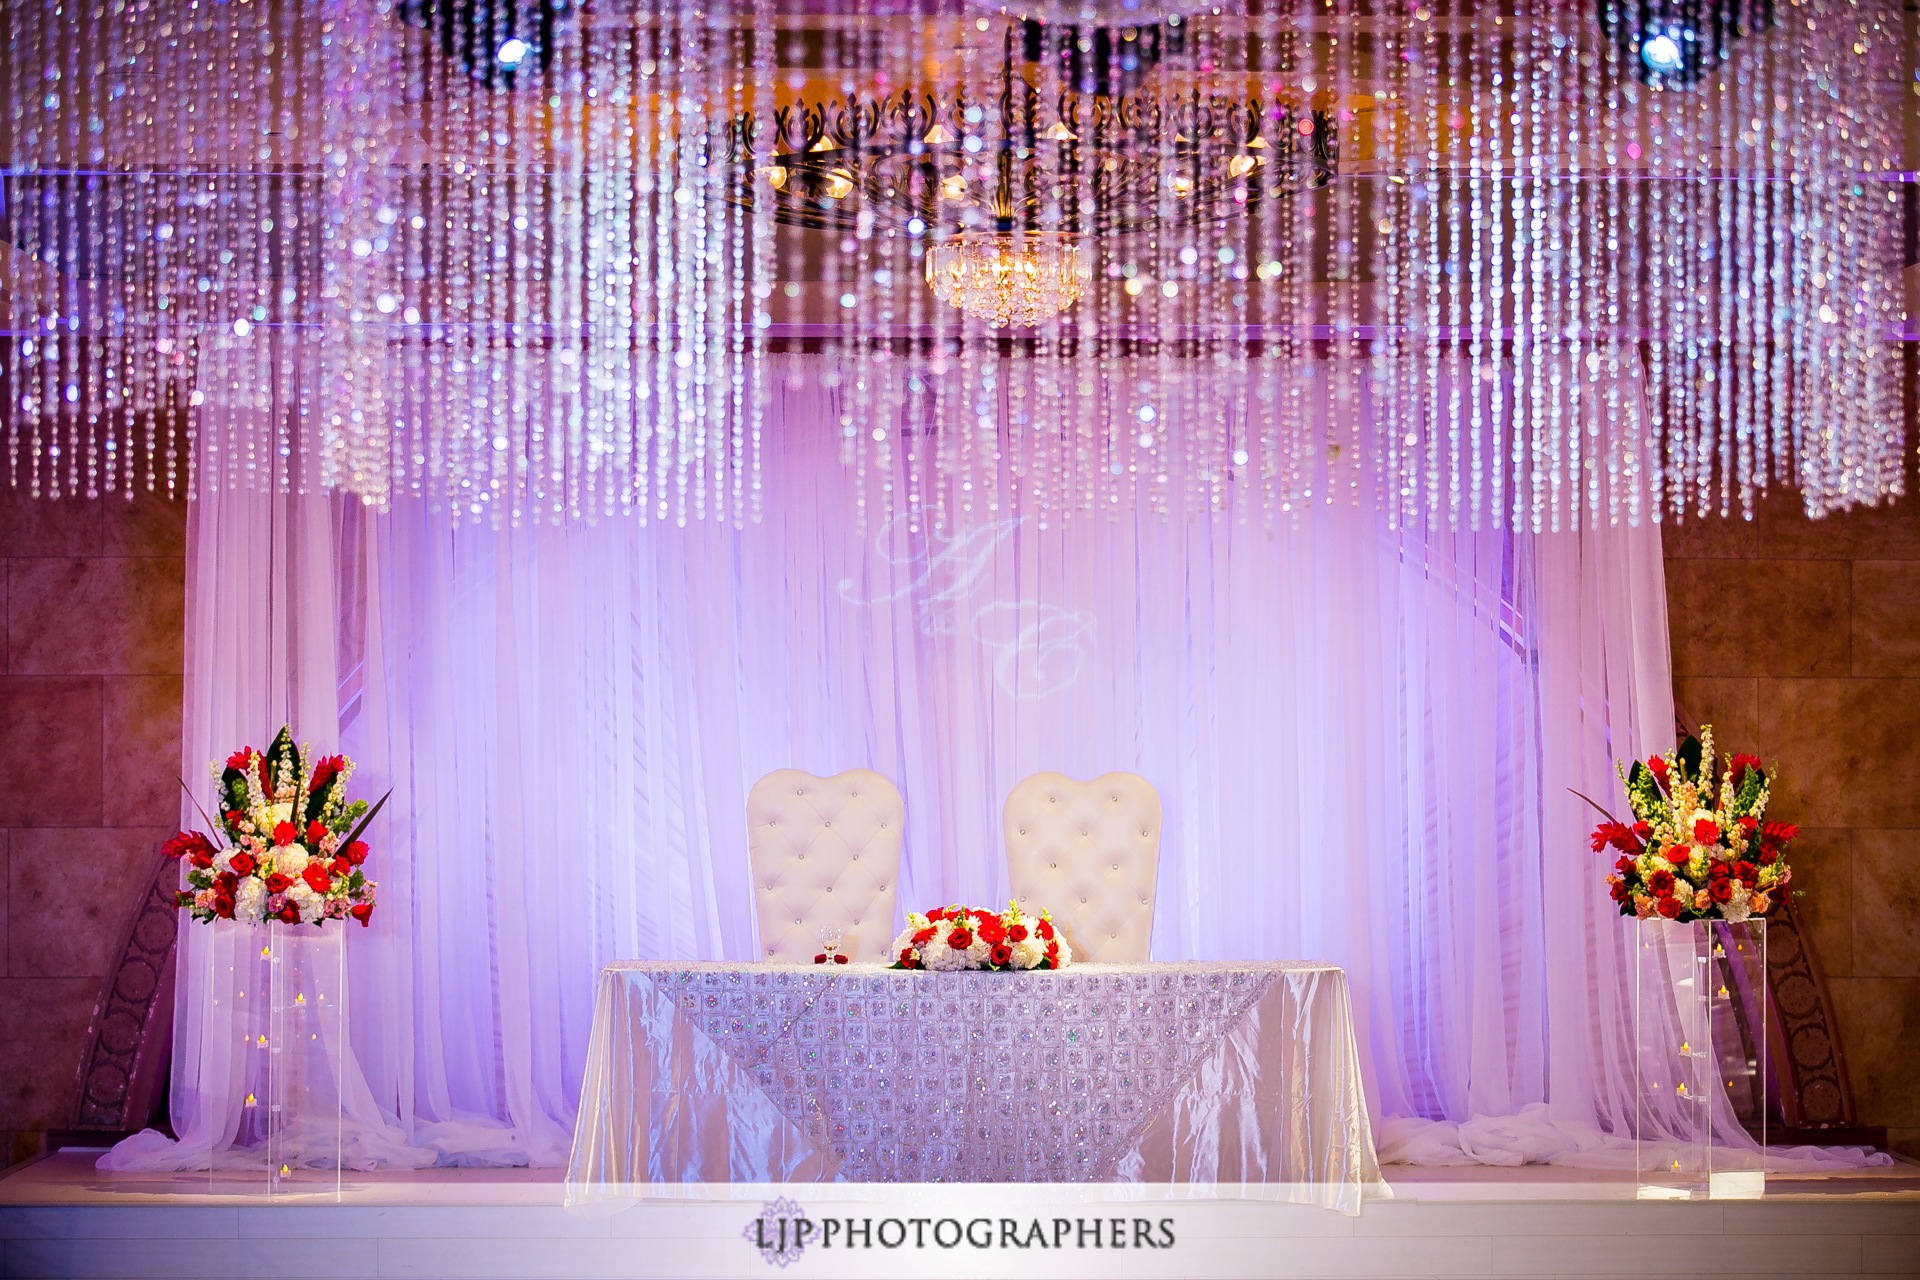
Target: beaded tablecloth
point(1241, 1073)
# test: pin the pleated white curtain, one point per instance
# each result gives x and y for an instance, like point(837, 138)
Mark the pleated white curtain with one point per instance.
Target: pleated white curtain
point(1363, 740)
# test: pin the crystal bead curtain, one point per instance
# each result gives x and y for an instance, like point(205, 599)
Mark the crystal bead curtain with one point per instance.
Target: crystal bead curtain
point(539, 263)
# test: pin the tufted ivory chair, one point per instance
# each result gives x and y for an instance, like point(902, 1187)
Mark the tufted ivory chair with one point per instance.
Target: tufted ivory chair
point(1087, 852)
point(824, 851)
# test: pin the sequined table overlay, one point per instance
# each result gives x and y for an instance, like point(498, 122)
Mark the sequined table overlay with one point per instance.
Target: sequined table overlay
point(890, 1076)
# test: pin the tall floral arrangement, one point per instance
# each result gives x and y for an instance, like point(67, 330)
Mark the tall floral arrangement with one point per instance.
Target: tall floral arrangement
point(974, 938)
point(1699, 848)
point(289, 846)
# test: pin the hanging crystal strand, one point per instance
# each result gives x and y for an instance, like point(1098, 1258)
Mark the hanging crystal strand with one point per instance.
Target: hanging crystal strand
point(1452, 215)
point(1560, 286)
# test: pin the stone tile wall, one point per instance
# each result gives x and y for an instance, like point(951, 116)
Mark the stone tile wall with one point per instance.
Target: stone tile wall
point(1799, 640)
point(92, 597)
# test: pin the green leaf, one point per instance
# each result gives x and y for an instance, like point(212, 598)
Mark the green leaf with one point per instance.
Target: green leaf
point(1689, 756)
point(367, 820)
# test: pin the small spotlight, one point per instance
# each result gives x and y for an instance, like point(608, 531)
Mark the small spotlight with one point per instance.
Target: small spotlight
point(512, 52)
point(1661, 53)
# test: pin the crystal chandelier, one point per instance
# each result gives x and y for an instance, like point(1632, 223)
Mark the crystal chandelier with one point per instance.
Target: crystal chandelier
point(1018, 278)
point(540, 261)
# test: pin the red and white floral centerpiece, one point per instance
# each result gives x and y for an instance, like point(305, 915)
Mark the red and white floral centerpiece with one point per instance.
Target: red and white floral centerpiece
point(1697, 850)
point(291, 849)
point(951, 938)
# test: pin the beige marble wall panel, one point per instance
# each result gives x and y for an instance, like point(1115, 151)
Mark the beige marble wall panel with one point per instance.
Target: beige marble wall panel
point(102, 615)
point(50, 752)
point(47, 527)
point(1781, 531)
point(140, 740)
point(1823, 873)
point(1758, 618)
point(1731, 706)
point(43, 1024)
point(1886, 618)
point(1877, 1018)
point(1848, 751)
point(1886, 905)
point(69, 892)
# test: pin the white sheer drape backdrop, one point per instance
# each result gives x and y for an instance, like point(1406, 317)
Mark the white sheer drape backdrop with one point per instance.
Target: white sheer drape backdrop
point(1363, 740)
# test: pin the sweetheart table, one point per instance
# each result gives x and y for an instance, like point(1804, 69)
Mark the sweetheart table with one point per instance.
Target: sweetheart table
point(1232, 1078)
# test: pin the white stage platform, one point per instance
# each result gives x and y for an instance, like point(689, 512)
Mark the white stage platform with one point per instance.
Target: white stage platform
point(61, 1218)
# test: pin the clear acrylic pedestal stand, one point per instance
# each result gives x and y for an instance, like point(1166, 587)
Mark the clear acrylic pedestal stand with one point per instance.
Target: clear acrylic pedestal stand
point(1700, 1058)
point(288, 987)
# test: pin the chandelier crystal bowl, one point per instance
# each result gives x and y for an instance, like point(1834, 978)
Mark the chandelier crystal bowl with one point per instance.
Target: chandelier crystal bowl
point(1021, 278)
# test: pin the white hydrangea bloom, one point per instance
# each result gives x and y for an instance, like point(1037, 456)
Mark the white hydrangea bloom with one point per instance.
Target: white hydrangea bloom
point(310, 904)
point(250, 900)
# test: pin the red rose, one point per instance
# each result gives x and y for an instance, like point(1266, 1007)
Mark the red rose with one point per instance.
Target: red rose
point(908, 958)
point(1045, 930)
point(960, 939)
point(361, 911)
point(316, 832)
point(289, 914)
point(1706, 831)
point(223, 906)
point(318, 878)
point(1624, 866)
point(190, 844)
point(1717, 870)
point(1669, 907)
point(1720, 889)
point(1660, 883)
point(1745, 873)
point(1017, 934)
point(1643, 829)
point(278, 883)
point(226, 882)
point(236, 816)
point(1001, 955)
point(938, 913)
point(284, 835)
point(1769, 856)
point(241, 862)
point(238, 760)
point(1679, 855)
point(1619, 891)
point(923, 936)
point(325, 770)
point(1739, 766)
point(356, 853)
point(340, 866)
point(1749, 824)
